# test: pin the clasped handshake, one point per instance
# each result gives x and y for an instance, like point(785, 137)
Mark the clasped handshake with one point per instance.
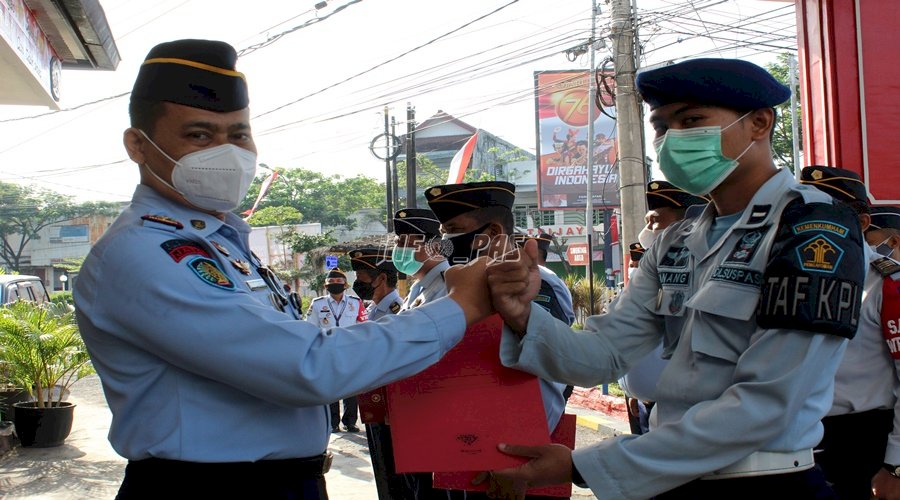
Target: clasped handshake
point(504, 280)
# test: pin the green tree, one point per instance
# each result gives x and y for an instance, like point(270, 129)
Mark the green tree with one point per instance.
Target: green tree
point(782, 139)
point(275, 216)
point(24, 211)
point(330, 200)
point(502, 158)
point(305, 244)
point(430, 174)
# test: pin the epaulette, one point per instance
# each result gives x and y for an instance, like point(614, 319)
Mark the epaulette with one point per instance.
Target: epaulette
point(886, 266)
point(395, 307)
point(162, 219)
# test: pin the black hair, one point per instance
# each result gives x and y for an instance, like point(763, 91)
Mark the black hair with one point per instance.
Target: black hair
point(859, 207)
point(499, 215)
point(145, 113)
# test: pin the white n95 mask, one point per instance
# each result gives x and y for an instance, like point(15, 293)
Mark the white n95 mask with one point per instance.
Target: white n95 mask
point(646, 237)
point(214, 179)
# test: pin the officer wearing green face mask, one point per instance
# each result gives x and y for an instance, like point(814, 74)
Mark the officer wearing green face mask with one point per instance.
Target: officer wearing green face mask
point(417, 254)
point(753, 300)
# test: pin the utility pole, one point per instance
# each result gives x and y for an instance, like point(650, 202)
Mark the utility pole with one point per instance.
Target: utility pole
point(629, 126)
point(388, 180)
point(394, 168)
point(589, 203)
point(795, 116)
point(410, 156)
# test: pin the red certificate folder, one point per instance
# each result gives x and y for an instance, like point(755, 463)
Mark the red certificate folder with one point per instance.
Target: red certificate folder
point(451, 416)
point(373, 406)
point(563, 434)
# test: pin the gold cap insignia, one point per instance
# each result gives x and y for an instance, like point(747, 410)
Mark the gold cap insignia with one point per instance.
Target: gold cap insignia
point(198, 224)
point(402, 214)
point(654, 186)
point(816, 174)
point(435, 191)
point(357, 254)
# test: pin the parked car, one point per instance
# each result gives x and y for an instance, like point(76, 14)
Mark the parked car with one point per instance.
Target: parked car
point(14, 287)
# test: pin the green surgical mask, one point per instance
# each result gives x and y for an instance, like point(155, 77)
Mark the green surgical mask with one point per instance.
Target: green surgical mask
point(692, 159)
point(404, 259)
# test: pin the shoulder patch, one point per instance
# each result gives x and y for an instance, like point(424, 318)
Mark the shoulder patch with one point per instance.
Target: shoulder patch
point(208, 271)
point(886, 266)
point(179, 248)
point(814, 277)
point(395, 307)
point(162, 219)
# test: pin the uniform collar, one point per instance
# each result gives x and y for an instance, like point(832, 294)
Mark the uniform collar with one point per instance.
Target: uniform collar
point(433, 274)
point(757, 213)
point(385, 304)
point(344, 298)
point(194, 221)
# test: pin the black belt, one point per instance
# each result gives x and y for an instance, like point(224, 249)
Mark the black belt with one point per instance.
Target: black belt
point(295, 478)
point(310, 467)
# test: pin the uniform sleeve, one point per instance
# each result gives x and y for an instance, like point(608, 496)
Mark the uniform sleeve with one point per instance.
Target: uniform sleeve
point(600, 353)
point(212, 328)
point(311, 315)
point(774, 378)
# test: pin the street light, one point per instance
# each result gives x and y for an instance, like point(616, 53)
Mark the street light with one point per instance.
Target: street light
point(63, 279)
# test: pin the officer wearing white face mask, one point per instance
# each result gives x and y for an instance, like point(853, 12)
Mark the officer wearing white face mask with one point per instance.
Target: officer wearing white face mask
point(666, 204)
point(217, 389)
point(753, 301)
point(884, 232)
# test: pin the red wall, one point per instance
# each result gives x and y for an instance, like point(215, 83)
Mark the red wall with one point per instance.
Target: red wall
point(850, 85)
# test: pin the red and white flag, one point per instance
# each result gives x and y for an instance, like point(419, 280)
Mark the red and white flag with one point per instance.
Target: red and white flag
point(262, 192)
point(461, 161)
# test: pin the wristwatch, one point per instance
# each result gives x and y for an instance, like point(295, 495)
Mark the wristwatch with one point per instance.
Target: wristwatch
point(894, 470)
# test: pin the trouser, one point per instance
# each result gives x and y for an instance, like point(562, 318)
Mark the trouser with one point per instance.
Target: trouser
point(393, 486)
point(293, 479)
point(803, 485)
point(852, 451)
point(351, 412)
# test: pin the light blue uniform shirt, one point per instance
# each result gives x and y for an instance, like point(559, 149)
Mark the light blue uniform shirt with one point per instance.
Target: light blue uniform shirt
point(868, 378)
point(731, 387)
point(428, 289)
point(383, 307)
point(563, 294)
point(198, 366)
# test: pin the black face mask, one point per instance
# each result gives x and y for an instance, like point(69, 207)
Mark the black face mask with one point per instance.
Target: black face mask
point(458, 249)
point(335, 288)
point(364, 290)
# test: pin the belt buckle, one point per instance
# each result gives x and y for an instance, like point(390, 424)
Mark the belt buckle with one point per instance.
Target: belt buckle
point(326, 463)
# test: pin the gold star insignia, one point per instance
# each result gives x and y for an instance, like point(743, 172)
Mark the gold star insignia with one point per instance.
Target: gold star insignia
point(402, 215)
point(654, 186)
point(816, 174)
point(435, 191)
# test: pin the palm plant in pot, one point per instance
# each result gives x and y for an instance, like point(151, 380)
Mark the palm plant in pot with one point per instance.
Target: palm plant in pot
point(44, 353)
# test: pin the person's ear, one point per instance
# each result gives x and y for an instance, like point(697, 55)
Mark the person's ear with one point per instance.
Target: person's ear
point(762, 121)
point(135, 142)
point(894, 241)
point(494, 229)
point(864, 221)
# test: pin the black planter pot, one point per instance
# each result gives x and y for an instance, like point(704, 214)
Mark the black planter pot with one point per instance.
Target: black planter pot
point(43, 427)
point(9, 397)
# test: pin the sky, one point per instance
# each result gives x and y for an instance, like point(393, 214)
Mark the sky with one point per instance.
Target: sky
point(317, 93)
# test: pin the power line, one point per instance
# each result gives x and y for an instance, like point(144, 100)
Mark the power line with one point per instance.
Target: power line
point(357, 75)
point(274, 38)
